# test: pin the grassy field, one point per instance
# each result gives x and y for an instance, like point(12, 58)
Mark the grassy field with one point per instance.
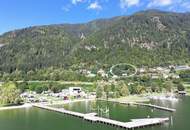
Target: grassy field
point(130, 98)
point(187, 87)
point(133, 98)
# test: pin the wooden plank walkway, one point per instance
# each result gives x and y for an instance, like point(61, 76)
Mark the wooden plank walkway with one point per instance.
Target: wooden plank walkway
point(135, 123)
point(150, 105)
point(142, 104)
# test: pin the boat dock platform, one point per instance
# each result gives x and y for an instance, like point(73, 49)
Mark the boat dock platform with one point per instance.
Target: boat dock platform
point(135, 123)
point(143, 104)
point(150, 105)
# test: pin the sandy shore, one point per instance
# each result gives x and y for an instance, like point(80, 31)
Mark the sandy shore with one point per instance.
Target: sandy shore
point(15, 107)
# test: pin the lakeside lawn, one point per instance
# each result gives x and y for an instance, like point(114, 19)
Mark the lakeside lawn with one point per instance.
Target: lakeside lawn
point(187, 87)
point(133, 98)
point(130, 98)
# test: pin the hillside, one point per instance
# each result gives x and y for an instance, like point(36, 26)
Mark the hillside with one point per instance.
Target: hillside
point(146, 38)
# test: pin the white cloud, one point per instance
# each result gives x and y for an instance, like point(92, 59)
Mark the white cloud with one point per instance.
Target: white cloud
point(128, 3)
point(66, 8)
point(186, 5)
point(171, 5)
point(160, 3)
point(76, 1)
point(95, 6)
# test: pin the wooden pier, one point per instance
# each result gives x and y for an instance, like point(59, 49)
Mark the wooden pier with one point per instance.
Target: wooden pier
point(150, 105)
point(143, 104)
point(135, 123)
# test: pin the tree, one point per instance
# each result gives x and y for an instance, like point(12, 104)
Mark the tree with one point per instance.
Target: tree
point(99, 91)
point(39, 89)
point(9, 94)
point(107, 89)
point(55, 89)
point(180, 87)
point(168, 86)
point(22, 86)
point(138, 89)
point(154, 87)
point(123, 89)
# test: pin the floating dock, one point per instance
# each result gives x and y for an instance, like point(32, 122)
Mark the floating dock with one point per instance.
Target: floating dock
point(135, 123)
point(143, 104)
point(150, 105)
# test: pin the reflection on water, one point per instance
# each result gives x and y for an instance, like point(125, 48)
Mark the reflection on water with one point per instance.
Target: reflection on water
point(38, 119)
point(115, 110)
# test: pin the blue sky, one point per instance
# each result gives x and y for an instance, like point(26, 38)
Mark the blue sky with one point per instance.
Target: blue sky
point(15, 14)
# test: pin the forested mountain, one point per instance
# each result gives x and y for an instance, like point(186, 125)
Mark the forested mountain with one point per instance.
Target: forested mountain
point(149, 38)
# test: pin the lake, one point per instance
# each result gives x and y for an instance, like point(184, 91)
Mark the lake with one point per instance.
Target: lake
point(38, 119)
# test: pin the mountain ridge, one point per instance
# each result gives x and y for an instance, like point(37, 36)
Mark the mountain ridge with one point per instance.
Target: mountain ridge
point(146, 38)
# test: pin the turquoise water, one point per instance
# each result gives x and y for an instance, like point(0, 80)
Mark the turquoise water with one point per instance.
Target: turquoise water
point(37, 119)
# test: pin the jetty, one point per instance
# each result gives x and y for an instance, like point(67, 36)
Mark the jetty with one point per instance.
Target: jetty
point(150, 105)
point(142, 104)
point(92, 117)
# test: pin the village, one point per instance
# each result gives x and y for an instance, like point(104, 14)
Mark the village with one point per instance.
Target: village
point(154, 73)
point(72, 93)
point(78, 92)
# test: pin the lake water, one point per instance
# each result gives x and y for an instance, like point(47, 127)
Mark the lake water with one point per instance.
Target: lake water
point(38, 119)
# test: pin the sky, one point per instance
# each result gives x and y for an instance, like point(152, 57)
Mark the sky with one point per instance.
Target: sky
point(16, 14)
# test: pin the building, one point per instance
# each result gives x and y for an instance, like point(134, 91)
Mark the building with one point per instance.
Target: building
point(182, 67)
point(73, 91)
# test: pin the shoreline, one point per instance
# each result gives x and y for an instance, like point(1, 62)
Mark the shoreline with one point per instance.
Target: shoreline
point(129, 99)
point(27, 105)
point(66, 102)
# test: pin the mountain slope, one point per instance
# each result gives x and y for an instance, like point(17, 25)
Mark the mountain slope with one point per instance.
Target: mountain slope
point(146, 38)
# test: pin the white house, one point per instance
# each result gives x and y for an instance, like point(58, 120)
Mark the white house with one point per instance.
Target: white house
point(75, 90)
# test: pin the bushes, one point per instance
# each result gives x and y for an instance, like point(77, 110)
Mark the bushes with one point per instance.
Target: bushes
point(99, 91)
point(56, 89)
point(22, 86)
point(180, 87)
point(39, 89)
point(9, 94)
point(168, 86)
point(106, 89)
point(138, 89)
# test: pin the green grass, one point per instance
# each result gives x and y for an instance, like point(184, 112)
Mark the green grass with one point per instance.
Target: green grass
point(187, 87)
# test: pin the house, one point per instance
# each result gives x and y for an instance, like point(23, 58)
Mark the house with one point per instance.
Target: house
point(102, 73)
point(91, 75)
point(165, 76)
point(155, 76)
point(74, 91)
point(142, 70)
